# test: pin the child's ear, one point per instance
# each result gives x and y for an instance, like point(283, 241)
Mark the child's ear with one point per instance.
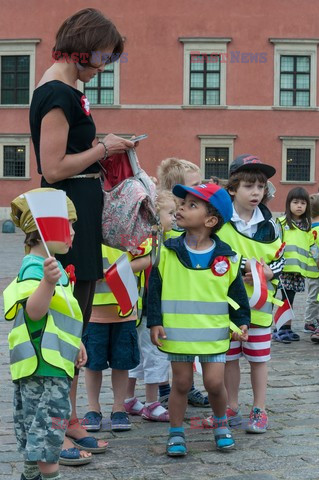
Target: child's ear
point(231, 192)
point(211, 221)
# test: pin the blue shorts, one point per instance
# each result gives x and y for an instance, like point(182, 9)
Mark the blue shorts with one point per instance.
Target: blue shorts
point(178, 357)
point(111, 345)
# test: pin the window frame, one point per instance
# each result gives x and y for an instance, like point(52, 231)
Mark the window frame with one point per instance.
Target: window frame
point(298, 143)
point(15, 140)
point(216, 141)
point(295, 47)
point(209, 46)
point(18, 47)
point(116, 88)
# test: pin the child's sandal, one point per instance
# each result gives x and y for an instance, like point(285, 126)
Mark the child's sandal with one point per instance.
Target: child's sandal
point(176, 445)
point(223, 438)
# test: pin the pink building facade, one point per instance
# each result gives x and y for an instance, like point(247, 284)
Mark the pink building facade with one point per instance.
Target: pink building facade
point(207, 80)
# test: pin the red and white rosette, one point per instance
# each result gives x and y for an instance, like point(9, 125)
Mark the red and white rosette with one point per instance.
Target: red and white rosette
point(85, 104)
point(260, 292)
point(220, 266)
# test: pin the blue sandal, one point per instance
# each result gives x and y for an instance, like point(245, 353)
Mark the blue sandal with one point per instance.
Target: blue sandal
point(72, 457)
point(281, 336)
point(223, 438)
point(176, 445)
point(90, 444)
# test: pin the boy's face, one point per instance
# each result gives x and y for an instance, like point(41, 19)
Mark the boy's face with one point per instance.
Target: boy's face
point(248, 195)
point(59, 247)
point(167, 215)
point(192, 214)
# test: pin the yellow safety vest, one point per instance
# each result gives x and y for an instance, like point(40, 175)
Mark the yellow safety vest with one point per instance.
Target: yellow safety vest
point(297, 249)
point(172, 234)
point(195, 306)
point(312, 270)
point(250, 248)
point(60, 338)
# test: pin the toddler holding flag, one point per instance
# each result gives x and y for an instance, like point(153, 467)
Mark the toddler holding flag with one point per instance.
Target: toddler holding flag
point(253, 233)
point(45, 341)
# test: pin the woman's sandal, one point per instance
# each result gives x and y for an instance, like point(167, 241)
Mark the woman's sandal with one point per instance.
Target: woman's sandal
point(89, 444)
point(176, 445)
point(223, 438)
point(72, 457)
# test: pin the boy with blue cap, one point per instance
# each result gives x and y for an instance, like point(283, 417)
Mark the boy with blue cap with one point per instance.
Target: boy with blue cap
point(195, 294)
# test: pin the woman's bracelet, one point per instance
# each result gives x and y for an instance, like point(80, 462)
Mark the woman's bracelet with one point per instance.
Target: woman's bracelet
point(106, 153)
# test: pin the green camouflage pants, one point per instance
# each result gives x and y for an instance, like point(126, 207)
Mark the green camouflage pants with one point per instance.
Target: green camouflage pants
point(41, 412)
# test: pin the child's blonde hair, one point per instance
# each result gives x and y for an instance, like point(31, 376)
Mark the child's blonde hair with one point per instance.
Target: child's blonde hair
point(162, 197)
point(172, 171)
point(314, 205)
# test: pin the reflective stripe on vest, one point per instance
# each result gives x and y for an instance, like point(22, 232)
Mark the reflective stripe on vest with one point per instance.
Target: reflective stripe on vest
point(61, 336)
point(250, 248)
point(200, 324)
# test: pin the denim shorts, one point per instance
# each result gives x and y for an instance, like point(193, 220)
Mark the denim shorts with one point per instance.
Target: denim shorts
point(111, 345)
point(177, 357)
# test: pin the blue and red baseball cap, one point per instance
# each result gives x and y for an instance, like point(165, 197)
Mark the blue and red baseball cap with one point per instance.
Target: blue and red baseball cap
point(250, 162)
point(210, 193)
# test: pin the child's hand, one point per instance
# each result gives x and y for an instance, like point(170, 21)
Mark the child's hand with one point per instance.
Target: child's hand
point(156, 333)
point(243, 337)
point(51, 270)
point(267, 270)
point(82, 357)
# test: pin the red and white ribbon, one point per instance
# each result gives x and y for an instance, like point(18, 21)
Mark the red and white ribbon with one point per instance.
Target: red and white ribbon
point(260, 293)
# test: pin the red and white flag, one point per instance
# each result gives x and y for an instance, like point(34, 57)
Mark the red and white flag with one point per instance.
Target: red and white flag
point(260, 293)
point(121, 280)
point(283, 314)
point(50, 212)
point(197, 366)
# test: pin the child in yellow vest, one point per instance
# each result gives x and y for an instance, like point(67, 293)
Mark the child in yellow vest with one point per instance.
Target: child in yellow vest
point(111, 342)
point(40, 368)
point(193, 293)
point(295, 232)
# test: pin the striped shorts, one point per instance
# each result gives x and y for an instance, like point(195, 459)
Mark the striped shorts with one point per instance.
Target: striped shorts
point(256, 349)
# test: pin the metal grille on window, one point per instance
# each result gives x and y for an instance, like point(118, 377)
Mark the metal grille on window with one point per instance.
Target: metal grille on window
point(216, 162)
point(298, 164)
point(294, 81)
point(15, 78)
point(14, 161)
point(100, 90)
point(204, 80)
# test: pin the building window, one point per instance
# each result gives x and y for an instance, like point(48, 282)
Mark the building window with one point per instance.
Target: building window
point(216, 152)
point(216, 162)
point(204, 80)
point(295, 67)
point(104, 89)
point(14, 161)
point(100, 90)
point(15, 74)
point(204, 71)
point(17, 67)
point(298, 164)
point(14, 156)
point(298, 159)
point(295, 80)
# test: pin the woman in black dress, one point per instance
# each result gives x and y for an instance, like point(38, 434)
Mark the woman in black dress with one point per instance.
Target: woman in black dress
point(63, 134)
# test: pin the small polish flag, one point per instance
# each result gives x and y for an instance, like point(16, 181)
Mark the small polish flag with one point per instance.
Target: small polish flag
point(283, 314)
point(50, 212)
point(260, 293)
point(121, 280)
point(197, 367)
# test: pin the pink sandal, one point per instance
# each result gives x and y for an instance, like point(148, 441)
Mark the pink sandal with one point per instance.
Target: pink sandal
point(148, 413)
point(129, 407)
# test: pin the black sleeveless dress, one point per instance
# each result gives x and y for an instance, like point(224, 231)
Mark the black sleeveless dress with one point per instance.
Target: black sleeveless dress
point(86, 193)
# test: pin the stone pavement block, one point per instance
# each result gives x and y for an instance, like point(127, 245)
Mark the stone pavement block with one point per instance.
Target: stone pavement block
point(257, 476)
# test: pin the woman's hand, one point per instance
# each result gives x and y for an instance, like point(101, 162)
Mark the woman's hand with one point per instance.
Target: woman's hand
point(117, 144)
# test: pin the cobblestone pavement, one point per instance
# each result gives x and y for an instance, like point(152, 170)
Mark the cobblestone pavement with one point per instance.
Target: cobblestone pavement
point(289, 450)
